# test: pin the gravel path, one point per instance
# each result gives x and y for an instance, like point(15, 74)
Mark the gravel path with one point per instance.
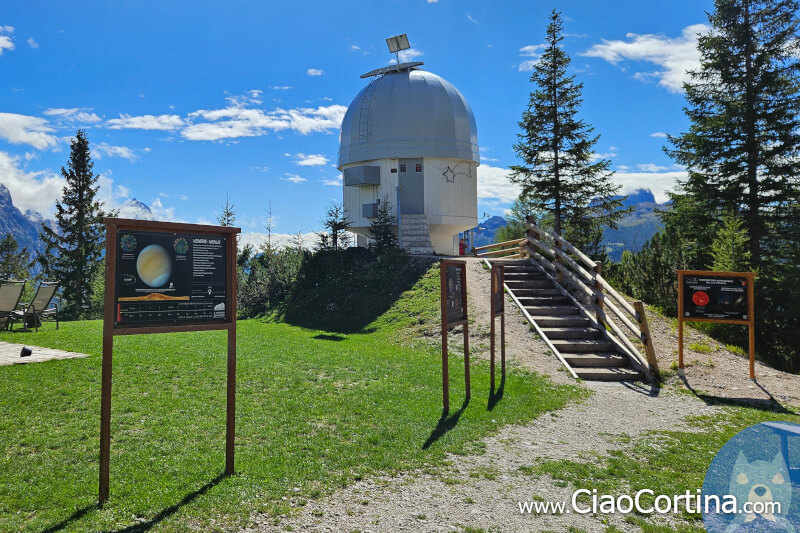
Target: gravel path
point(483, 491)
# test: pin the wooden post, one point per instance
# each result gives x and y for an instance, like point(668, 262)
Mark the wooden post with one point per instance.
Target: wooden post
point(503, 344)
point(230, 422)
point(751, 327)
point(466, 330)
point(559, 273)
point(647, 339)
point(491, 331)
point(598, 268)
point(106, 366)
point(680, 323)
point(445, 378)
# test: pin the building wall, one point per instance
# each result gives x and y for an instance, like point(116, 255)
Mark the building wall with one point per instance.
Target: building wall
point(451, 192)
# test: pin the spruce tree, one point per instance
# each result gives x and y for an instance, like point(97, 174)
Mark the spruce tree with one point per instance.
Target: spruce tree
point(227, 216)
point(561, 174)
point(73, 251)
point(741, 150)
point(381, 228)
point(13, 262)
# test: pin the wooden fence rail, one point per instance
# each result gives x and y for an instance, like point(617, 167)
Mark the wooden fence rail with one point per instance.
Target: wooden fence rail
point(506, 250)
point(567, 262)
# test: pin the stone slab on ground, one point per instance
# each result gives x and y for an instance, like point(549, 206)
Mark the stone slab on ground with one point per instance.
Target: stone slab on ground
point(10, 354)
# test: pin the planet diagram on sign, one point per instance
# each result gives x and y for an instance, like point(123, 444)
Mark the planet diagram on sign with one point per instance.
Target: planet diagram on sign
point(154, 265)
point(700, 298)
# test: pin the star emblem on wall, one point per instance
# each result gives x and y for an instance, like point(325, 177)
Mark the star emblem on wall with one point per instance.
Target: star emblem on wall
point(449, 175)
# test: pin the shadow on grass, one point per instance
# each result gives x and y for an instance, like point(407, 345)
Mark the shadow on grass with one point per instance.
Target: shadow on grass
point(770, 404)
point(77, 515)
point(324, 337)
point(172, 509)
point(445, 424)
point(496, 395)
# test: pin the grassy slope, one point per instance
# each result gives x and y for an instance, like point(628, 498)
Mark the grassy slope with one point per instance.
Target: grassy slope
point(315, 411)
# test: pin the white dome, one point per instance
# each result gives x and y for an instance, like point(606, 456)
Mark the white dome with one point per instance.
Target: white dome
point(410, 113)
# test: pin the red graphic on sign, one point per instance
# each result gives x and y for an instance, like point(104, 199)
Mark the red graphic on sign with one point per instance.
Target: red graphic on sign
point(700, 298)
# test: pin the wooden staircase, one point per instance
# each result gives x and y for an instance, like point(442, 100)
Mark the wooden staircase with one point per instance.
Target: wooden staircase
point(581, 344)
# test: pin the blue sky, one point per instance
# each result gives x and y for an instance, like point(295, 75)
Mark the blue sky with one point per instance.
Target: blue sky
point(186, 102)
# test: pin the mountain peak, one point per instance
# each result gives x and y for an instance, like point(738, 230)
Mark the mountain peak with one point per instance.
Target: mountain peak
point(641, 196)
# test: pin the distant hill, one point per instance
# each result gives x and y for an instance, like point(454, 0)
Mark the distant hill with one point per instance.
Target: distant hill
point(23, 226)
point(484, 233)
point(636, 228)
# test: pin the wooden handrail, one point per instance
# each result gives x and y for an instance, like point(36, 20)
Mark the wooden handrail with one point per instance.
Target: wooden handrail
point(587, 278)
point(497, 244)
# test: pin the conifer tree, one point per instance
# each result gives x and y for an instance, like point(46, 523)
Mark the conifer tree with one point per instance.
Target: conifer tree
point(227, 216)
point(381, 228)
point(13, 261)
point(73, 250)
point(743, 103)
point(560, 173)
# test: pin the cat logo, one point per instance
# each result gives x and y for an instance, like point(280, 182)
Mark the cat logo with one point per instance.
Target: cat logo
point(756, 468)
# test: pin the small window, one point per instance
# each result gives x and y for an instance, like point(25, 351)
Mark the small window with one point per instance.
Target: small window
point(402, 168)
point(393, 171)
point(419, 167)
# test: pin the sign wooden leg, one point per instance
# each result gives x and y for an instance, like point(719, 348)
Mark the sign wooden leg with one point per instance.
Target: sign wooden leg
point(230, 426)
point(491, 357)
point(466, 359)
point(503, 345)
point(680, 346)
point(105, 417)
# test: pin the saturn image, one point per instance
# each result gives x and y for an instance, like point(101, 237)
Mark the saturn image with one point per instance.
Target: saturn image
point(154, 265)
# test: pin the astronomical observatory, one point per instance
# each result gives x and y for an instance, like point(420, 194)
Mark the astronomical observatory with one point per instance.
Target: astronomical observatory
point(409, 137)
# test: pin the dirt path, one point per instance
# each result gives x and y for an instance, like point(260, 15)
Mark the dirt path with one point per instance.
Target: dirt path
point(483, 491)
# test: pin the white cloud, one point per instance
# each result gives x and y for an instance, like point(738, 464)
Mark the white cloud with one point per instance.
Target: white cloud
point(673, 55)
point(432, 1)
point(310, 160)
point(32, 43)
point(315, 72)
point(105, 149)
point(489, 159)
point(5, 41)
point(281, 87)
point(355, 47)
point(145, 122)
point(650, 167)
point(333, 182)
point(73, 114)
point(472, 20)
point(25, 129)
point(278, 240)
point(37, 191)
point(409, 55)
point(294, 178)
point(237, 121)
point(533, 52)
point(659, 135)
point(493, 183)
point(658, 182)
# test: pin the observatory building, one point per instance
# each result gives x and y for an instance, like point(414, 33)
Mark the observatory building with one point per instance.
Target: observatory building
point(409, 138)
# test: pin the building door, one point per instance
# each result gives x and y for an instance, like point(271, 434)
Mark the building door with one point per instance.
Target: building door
point(412, 186)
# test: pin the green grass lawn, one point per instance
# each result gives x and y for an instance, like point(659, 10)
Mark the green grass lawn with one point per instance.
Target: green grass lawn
point(315, 412)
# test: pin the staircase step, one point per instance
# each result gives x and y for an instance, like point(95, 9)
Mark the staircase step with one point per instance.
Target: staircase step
point(534, 301)
point(595, 360)
point(550, 310)
point(583, 346)
point(572, 333)
point(608, 374)
point(523, 276)
point(533, 284)
point(562, 321)
point(535, 293)
point(421, 250)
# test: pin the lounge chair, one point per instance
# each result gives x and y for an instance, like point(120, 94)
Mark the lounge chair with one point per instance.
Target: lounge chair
point(39, 308)
point(10, 294)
